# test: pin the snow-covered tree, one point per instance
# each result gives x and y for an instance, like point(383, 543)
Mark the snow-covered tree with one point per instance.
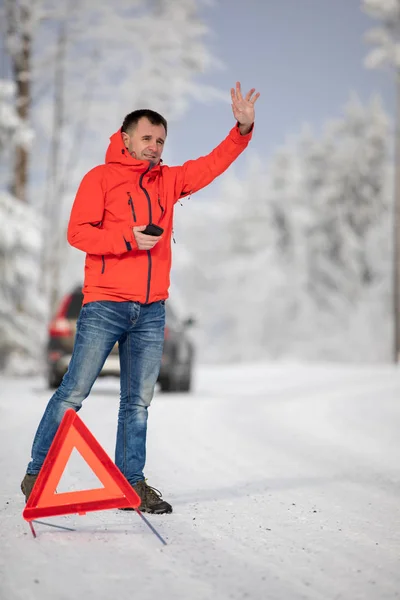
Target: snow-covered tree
point(386, 38)
point(347, 182)
point(18, 23)
point(21, 311)
point(386, 53)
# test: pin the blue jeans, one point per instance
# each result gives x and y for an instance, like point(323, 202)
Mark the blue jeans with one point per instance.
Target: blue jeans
point(139, 331)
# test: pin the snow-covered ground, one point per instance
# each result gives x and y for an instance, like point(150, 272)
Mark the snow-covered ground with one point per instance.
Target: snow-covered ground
point(285, 483)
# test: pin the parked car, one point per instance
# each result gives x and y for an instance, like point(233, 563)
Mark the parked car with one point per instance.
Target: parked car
point(177, 360)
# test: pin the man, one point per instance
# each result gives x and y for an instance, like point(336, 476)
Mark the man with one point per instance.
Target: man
point(127, 278)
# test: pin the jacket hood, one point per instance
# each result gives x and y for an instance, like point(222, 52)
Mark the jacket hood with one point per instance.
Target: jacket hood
point(118, 154)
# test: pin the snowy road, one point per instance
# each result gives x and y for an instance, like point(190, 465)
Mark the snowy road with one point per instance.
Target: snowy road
point(285, 483)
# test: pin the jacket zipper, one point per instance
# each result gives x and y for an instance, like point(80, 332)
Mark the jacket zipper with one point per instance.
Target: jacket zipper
point(130, 202)
point(150, 220)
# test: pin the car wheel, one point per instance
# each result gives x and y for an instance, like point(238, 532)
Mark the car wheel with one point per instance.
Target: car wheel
point(54, 380)
point(174, 384)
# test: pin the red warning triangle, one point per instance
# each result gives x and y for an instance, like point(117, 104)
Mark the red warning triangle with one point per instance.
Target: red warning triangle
point(45, 502)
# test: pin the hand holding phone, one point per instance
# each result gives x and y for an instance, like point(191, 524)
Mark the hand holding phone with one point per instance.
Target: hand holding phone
point(150, 239)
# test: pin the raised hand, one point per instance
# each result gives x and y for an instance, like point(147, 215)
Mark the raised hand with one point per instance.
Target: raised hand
point(243, 108)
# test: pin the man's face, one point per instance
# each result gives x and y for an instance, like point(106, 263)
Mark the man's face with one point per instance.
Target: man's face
point(145, 141)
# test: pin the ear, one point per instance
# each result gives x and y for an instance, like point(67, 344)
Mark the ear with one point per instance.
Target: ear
point(125, 138)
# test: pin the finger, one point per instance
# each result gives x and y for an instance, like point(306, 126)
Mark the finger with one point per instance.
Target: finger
point(238, 91)
point(254, 100)
point(147, 240)
point(237, 104)
point(249, 94)
point(234, 97)
point(146, 246)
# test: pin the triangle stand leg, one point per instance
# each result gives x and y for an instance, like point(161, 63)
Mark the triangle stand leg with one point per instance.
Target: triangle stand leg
point(32, 529)
point(151, 527)
point(53, 525)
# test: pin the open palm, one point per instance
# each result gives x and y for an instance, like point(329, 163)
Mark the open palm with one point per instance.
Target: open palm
point(243, 108)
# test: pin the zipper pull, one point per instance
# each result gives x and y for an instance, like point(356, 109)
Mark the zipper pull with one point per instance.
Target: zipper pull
point(130, 202)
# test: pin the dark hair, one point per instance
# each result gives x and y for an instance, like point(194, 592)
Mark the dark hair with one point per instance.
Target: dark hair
point(134, 117)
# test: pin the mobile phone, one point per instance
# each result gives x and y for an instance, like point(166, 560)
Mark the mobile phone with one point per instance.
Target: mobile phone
point(152, 229)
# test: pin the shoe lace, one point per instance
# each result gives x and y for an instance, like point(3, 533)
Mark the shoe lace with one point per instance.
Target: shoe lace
point(154, 493)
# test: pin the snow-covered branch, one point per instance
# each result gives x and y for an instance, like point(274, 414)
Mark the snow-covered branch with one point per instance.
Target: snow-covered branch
point(386, 38)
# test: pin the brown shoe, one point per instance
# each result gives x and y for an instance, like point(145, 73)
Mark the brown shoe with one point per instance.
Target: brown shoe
point(27, 485)
point(151, 500)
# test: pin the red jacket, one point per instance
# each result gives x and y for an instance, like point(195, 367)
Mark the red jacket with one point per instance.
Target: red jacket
point(114, 197)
